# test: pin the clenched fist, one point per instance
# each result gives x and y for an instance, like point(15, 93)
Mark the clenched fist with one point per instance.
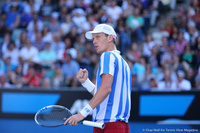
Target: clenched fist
point(82, 75)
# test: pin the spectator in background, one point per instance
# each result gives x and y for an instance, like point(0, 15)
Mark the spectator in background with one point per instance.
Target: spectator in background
point(46, 34)
point(58, 79)
point(124, 39)
point(139, 69)
point(174, 34)
point(147, 46)
point(154, 59)
point(4, 83)
point(172, 46)
point(3, 27)
point(114, 11)
point(47, 56)
point(26, 15)
point(80, 44)
point(134, 82)
point(145, 86)
point(70, 4)
point(95, 8)
point(2, 64)
point(38, 43)
point(187, 56)
point(158, 35)
point(166, 57)
point(180, 44)
point(197, 80)
point(63, 11)
point(127, 7)
point(90, 23)
point(54, 24)
point(35, 19)
point(8, 65)
point(153, 84)
point(134, 52)
point(177, 64)
point(31, 6)
point(16, 77)
point(85, 60)
point(32, 78)
point(196, 50)
point(192, 33)
point(110, 22)
point(167, 84)
point(28, 52)
point(45, 10)
point(13, 17)
point(57, 44)
point(6, 42)
point(146, 16)
point(32, 34)
point(69, 48)
point(6, 6)
point(154, 13)
point(70, 68)
point(21, 42)
point(79, 18)
point(182, 84)
point(73, 34)
point(135, 23)
point(27, 55)
point(66, 25)
point(164, 47)
point(102, 15)
point(190, 76)
point(46, 83)
point(169, 23)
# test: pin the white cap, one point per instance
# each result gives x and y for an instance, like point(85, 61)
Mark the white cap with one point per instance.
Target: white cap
point(101, 28)
point(180, 73)
point(55, 15)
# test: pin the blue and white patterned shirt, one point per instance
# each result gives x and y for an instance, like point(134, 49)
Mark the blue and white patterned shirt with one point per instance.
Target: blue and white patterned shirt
point(116, 106)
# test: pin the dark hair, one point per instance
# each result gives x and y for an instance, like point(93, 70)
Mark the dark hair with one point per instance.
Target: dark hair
point(114, 40)
point(11, 43)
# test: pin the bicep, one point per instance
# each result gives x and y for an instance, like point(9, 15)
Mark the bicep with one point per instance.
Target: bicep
point(106, 81)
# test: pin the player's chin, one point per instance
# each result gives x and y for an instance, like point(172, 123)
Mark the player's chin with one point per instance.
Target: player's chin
point(99, 52)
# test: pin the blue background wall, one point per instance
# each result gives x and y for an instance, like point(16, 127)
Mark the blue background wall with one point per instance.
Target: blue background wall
point(17, 109)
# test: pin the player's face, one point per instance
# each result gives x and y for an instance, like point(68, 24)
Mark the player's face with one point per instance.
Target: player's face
point(101, 42)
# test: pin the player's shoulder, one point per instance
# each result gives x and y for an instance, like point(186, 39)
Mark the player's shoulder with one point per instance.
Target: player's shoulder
point(110, 55)
point(106, 54)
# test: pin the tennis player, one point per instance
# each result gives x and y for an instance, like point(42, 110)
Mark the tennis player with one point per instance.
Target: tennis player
point(111, 102)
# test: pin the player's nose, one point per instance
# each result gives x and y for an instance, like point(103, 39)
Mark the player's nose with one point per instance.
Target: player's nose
point(94, 41)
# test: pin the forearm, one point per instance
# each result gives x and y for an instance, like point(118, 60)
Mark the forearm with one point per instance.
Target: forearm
point(103, 91)
point(99, 96)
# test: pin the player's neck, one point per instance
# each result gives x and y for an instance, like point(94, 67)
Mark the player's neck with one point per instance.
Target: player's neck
point(111, 48)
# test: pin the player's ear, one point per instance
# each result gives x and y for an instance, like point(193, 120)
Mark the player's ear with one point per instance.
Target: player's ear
point(110, 38)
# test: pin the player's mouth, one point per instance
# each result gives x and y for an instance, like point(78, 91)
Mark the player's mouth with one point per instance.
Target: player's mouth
point(96, 47)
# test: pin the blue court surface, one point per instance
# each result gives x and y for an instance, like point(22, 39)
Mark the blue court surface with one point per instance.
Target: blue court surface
point(29, 126)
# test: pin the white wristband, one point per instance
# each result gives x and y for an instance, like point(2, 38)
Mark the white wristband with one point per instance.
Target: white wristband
point(86, 110)
point(88, 85)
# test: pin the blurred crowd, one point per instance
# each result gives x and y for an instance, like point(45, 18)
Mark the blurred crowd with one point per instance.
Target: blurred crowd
point(43, 44)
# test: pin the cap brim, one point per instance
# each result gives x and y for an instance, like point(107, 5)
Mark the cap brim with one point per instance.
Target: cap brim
point(88, 34)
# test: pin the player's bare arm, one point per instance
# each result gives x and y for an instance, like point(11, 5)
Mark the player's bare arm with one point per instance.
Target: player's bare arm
point(103, 91)
point(100, 95)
